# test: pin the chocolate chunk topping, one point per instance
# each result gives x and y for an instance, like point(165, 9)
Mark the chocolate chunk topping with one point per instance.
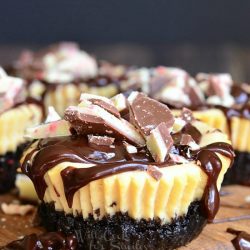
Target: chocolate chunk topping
point(101, 140)
point(193, 93)
point(154, 172)
point(193, 131)
point(107, 106)
point(97, 121)
point(187, 115)
point(83, 123)
point(157, 83)
point(147, 114)
point(159, 142)
point(130, 148)
point(186, 139)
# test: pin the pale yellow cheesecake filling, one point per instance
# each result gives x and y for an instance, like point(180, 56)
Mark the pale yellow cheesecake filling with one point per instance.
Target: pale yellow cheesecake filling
point(240, 134)
point(65, 95)
point(238, 128)
point(13, 123)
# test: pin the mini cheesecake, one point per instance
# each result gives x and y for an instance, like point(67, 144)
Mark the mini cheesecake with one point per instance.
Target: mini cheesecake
point(60, 72)
point(16, 114)
point(125, 172)
point(214, 98)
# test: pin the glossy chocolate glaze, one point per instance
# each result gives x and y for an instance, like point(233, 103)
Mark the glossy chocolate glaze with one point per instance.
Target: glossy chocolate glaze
point(242, 111)
point(113, 160)
point(51, 152)
point(242, 239)
point(209, 160)
point(49, 241)
point(190, 130)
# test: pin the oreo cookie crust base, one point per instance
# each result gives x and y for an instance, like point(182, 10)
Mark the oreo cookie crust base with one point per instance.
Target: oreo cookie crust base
point(8, 166)
point(240, 171)
point(121, 230)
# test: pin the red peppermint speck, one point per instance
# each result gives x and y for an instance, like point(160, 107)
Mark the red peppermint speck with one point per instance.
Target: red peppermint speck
point(10, 162)
point(52, 127)
point(160, 70)
point(39, 75)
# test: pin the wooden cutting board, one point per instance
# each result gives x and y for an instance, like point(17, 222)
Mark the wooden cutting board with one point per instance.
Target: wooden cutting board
point(214, 236)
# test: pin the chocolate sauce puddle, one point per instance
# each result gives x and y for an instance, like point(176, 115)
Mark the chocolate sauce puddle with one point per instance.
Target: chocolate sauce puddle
point(51, 240)
point(242, 239)
point(113, 160)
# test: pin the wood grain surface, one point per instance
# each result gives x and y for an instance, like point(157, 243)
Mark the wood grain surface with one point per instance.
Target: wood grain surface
point(214, 236)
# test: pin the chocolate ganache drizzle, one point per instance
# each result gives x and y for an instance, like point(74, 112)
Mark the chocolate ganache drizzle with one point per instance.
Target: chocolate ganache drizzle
point(113, 157)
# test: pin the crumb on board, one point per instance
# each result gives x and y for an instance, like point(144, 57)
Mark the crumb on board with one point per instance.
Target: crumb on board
point(16, 209)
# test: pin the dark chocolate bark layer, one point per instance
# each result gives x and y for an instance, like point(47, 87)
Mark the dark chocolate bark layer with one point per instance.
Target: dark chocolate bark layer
point(122, 232)
point(239, 173)
point(8, 166)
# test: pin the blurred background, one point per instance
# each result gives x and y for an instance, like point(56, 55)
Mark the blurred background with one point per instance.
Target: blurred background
point(210, 36)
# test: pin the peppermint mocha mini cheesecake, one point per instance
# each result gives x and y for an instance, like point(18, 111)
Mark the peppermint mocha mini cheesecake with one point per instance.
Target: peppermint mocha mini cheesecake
point(125, 173)
point(60, 72)
point(214, 98)
point(16, 114)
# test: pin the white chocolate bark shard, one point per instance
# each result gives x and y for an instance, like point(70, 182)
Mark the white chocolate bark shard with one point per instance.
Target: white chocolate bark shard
point(12, 91)
point(120, 102)
point(159, 142)
point(88, 97)
point(51, 129)
point(52, 115)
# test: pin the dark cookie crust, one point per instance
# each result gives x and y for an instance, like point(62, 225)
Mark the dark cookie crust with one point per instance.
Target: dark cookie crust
point(8, 166)
point(122, 232)
point(239, 173)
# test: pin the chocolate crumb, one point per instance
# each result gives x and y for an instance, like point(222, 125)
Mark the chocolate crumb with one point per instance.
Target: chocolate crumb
point(101, 140)
point(113, 204)
point(159, 142)
point(154, 172)
point(98, 212)
point(187, 115)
